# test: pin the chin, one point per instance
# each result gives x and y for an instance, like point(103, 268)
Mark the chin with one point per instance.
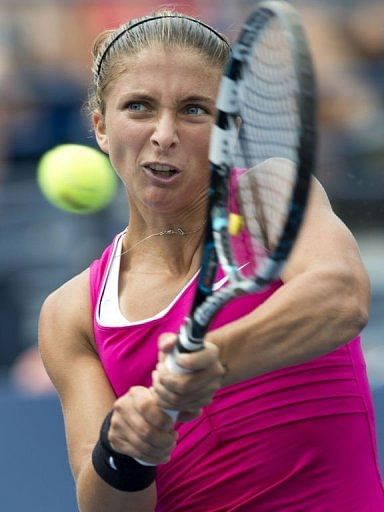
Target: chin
point(161, 206)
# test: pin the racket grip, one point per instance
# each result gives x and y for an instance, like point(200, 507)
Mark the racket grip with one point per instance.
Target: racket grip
point(170, 362)
point(187, 345)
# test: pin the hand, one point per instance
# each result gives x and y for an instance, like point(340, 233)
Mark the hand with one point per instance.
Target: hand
point(187, 392)
point(140, 429)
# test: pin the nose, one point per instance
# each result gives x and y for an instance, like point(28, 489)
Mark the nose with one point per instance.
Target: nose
point(165, 135)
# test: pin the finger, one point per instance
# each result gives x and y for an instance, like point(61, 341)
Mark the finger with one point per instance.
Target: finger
point(136, 447)
point(165, 398)
point(138, 411)
point(205, 381)
point(167, 342)
point(200, 397)
point(202, 359)
point(145, 403)
point(151, 443)
point(132, 434)
point(186, 405)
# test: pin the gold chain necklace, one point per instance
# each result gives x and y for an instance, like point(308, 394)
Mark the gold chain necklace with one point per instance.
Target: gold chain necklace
point(178, 231)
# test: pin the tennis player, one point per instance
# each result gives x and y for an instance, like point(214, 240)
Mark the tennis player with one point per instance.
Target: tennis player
point(276, 412)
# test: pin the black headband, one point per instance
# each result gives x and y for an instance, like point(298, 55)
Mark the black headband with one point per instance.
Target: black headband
point(120, 34)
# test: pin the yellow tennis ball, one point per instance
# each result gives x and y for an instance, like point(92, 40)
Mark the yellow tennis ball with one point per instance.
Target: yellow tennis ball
point(76, 178)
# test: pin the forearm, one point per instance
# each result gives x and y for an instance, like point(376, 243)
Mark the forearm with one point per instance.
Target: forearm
point(307, 317)
point(94, 495)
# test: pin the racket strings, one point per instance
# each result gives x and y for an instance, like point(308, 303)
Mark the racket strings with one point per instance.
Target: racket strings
point(268, 96)
point(268, 138)
point(257, 201)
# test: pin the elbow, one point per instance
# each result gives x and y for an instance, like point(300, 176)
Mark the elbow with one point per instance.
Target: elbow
point(358, 316)
point(361, 290)
point(354, 299)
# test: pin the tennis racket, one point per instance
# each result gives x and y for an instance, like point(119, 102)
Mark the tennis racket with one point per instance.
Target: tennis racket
point(262, 155)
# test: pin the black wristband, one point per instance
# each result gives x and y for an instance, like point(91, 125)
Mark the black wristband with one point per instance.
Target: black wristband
point(116, 469)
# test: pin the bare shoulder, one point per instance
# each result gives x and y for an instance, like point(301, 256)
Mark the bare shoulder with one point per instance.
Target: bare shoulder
point(66, 338)
point(67, 299)
point(65, 327)
point(67, 311)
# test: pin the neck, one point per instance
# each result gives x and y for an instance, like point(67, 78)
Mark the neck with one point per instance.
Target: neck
point(174, 249)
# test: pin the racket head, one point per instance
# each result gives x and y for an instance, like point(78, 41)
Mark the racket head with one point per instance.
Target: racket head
point(263, 145)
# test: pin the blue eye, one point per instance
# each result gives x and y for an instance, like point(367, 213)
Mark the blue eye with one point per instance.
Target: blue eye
point(195, 110)
point(136, 107)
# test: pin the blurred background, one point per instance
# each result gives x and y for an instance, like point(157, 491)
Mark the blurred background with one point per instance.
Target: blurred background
point(45, 60)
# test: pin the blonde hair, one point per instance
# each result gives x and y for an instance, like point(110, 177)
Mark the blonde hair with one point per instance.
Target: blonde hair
point(166, 27)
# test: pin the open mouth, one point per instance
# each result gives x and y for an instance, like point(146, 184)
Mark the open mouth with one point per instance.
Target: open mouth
point(164, 171)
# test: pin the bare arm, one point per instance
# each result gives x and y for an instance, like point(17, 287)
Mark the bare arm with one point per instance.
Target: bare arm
point(65, 334)
point(323, 303)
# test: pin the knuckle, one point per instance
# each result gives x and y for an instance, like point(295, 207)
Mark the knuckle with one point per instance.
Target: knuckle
point(142, 448)
point(113, 438)
point(113, 429)
point(116, 422)
point(144, 408)
point(212, 349)
point(181, 387)
point(173, 386)
point(116, 443)
point(146, 432)
point(172, 402)
point(162, 381)
point(118, 408)
point(138, 395)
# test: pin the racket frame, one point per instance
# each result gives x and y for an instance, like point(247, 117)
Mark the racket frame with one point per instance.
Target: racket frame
point(217, 242)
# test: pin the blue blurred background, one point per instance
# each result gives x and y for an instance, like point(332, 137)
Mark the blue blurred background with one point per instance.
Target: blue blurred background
point(45, 60)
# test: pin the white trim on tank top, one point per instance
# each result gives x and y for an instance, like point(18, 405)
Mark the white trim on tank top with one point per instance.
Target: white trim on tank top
point(108, 313)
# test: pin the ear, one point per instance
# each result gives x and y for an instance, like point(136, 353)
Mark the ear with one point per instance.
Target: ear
point(100, 131)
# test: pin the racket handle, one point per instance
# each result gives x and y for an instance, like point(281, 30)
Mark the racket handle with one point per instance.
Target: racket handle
point(187, 344)
point(170, 362)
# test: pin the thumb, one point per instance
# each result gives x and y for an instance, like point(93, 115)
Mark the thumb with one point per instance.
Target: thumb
point(167, 343)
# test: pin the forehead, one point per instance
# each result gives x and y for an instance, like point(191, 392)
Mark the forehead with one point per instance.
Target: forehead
point(174, 70)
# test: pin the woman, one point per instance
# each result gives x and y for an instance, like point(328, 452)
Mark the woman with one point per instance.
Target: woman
point(277, 403)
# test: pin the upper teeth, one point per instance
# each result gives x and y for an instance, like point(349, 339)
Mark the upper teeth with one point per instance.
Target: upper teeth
point(158, 167)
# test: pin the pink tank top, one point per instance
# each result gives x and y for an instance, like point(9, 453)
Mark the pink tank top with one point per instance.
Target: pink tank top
point(297, 439)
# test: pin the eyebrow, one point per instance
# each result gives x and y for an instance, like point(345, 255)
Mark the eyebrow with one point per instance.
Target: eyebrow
point(139, 95)
point(204, 99)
